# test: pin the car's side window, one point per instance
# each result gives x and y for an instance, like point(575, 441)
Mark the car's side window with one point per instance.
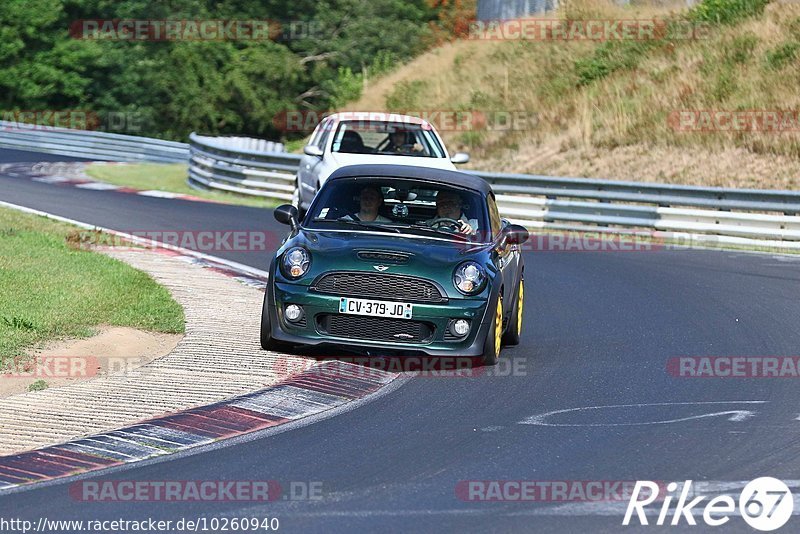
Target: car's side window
point(325, 132)
point(494, 216)
point(317, 133)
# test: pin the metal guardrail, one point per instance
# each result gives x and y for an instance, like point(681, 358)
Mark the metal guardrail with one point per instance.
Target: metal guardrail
point(550, 202)
point(242, 165)
point(90, 144)
point(261, 168)
point(732, 215)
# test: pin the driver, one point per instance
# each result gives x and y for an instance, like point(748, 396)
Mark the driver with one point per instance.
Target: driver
point(370, 201)
point(399, 145)
point(449, 206)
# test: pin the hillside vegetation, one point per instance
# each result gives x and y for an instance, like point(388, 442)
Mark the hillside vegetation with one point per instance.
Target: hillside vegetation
point(313, 57)
point(609, 109)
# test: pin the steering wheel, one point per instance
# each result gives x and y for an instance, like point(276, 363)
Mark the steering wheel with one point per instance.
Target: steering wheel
point(452, 224)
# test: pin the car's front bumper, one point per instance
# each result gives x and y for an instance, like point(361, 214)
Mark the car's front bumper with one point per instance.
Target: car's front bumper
point(437, 317)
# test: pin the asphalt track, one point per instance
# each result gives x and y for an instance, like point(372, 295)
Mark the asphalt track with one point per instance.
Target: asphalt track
point(599, 330)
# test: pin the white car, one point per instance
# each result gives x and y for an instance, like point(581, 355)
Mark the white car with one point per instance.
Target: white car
point(351, 138)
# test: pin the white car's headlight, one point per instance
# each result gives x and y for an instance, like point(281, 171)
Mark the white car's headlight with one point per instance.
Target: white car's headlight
point(469, 278)
point(295, 262)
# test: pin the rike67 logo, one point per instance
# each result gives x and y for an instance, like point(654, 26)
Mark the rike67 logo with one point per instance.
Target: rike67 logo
point(765, 504)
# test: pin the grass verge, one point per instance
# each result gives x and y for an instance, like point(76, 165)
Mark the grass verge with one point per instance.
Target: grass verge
point(49, 290)
point(169, 177)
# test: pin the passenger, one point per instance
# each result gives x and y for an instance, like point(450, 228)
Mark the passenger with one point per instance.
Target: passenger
point(370, 202)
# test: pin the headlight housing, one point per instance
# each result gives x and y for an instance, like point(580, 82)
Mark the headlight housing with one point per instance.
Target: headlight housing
point(295, 262)
point(469, 278)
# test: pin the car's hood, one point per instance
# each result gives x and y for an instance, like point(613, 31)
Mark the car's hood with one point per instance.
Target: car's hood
point(430, 258)
point(341, 160)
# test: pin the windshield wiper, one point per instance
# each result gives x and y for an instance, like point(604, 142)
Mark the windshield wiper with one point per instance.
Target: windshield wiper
point(362, 224)
point(464, 237)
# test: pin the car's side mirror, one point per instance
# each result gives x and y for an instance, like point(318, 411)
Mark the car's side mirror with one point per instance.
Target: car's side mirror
point(515, 234)
point(286, 214)
point(312, 150)
point(460, 157)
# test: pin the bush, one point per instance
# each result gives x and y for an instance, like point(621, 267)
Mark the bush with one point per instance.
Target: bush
point(408, 95)
point(780, 56)
point(727, 11)
point(741, 48)
point(609, 57)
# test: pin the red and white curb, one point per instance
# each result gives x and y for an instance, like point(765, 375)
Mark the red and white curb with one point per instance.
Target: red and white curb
point(321, 388)
point(74, 176)
point(324, 387)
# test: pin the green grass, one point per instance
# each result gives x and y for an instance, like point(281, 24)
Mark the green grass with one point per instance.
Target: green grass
point(50, 290)
point(295, 146)
point(167, 177)
point(39, 385)
point(727, 11)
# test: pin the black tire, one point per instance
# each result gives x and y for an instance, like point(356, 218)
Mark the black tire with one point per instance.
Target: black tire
point(493, 342)
point(515, 322)
point(267, 341)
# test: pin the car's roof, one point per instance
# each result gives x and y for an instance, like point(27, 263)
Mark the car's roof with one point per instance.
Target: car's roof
point(436, 176)
point(379, 116)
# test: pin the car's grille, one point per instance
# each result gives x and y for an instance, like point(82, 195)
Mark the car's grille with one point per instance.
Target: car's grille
point(379, 286)
point(375, 328)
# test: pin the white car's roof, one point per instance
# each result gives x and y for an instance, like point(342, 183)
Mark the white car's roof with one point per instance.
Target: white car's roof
point(377, 116)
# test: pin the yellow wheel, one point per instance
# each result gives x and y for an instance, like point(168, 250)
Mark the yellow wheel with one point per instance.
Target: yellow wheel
point(520, 304)
point(498, 327)
point(512, 335)
point(494, 337)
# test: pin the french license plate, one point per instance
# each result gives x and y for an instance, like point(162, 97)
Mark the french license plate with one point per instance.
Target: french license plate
point(375, 308)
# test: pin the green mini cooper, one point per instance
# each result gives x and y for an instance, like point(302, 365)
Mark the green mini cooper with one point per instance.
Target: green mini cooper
point(397, 260)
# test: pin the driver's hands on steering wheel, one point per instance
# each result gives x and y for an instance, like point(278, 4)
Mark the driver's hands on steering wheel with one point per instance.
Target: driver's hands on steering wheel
point(458, 225)
point(465, 228)
point(410, 148)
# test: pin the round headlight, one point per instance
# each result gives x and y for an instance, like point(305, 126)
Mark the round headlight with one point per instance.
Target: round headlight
point(461, 327)
point(469, 278)
point(296, 262)
point(293, 312)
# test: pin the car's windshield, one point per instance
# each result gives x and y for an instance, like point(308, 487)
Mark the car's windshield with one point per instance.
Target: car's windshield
point(387, 138)
point(410, 206)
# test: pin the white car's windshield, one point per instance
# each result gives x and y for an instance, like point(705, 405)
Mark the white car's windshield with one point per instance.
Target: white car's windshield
point(387, 138)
